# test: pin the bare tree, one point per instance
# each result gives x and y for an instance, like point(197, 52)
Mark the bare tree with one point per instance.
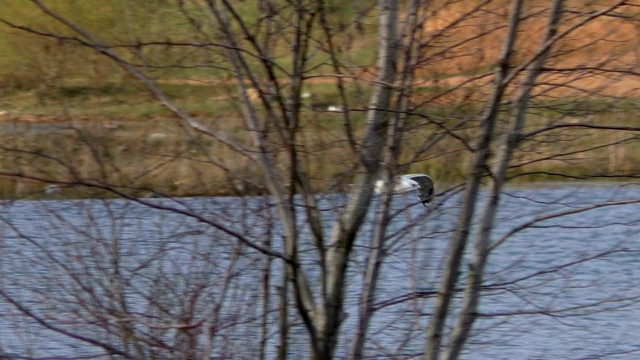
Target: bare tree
point(277, 275)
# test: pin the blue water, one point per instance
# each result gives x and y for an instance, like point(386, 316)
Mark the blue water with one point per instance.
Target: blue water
point(564, 288)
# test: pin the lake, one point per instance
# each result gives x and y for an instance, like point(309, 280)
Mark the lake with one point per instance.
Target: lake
point(563, 288)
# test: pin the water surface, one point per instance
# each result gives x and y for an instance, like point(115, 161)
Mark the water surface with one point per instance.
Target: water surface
point(564, 288)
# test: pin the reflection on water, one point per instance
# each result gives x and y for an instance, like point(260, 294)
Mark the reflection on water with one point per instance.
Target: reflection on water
point(65, 260)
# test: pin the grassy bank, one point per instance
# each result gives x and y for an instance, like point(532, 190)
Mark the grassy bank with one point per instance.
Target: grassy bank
point(71, 117)
point(118, 135)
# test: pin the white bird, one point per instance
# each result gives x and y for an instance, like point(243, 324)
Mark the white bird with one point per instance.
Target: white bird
point(404, 184)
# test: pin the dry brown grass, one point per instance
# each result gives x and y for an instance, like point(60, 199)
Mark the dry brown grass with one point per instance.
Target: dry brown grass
point(159, 156)
point(611, 42)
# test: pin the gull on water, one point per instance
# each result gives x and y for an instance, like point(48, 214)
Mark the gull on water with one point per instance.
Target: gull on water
point(403, 184)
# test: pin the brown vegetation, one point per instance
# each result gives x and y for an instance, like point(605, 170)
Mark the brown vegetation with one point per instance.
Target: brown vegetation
point(127, 125)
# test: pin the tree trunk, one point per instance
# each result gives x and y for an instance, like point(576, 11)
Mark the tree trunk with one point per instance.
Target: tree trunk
point(507, 145)
point(395, 132)
point(329, 315)
point(459, 241)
